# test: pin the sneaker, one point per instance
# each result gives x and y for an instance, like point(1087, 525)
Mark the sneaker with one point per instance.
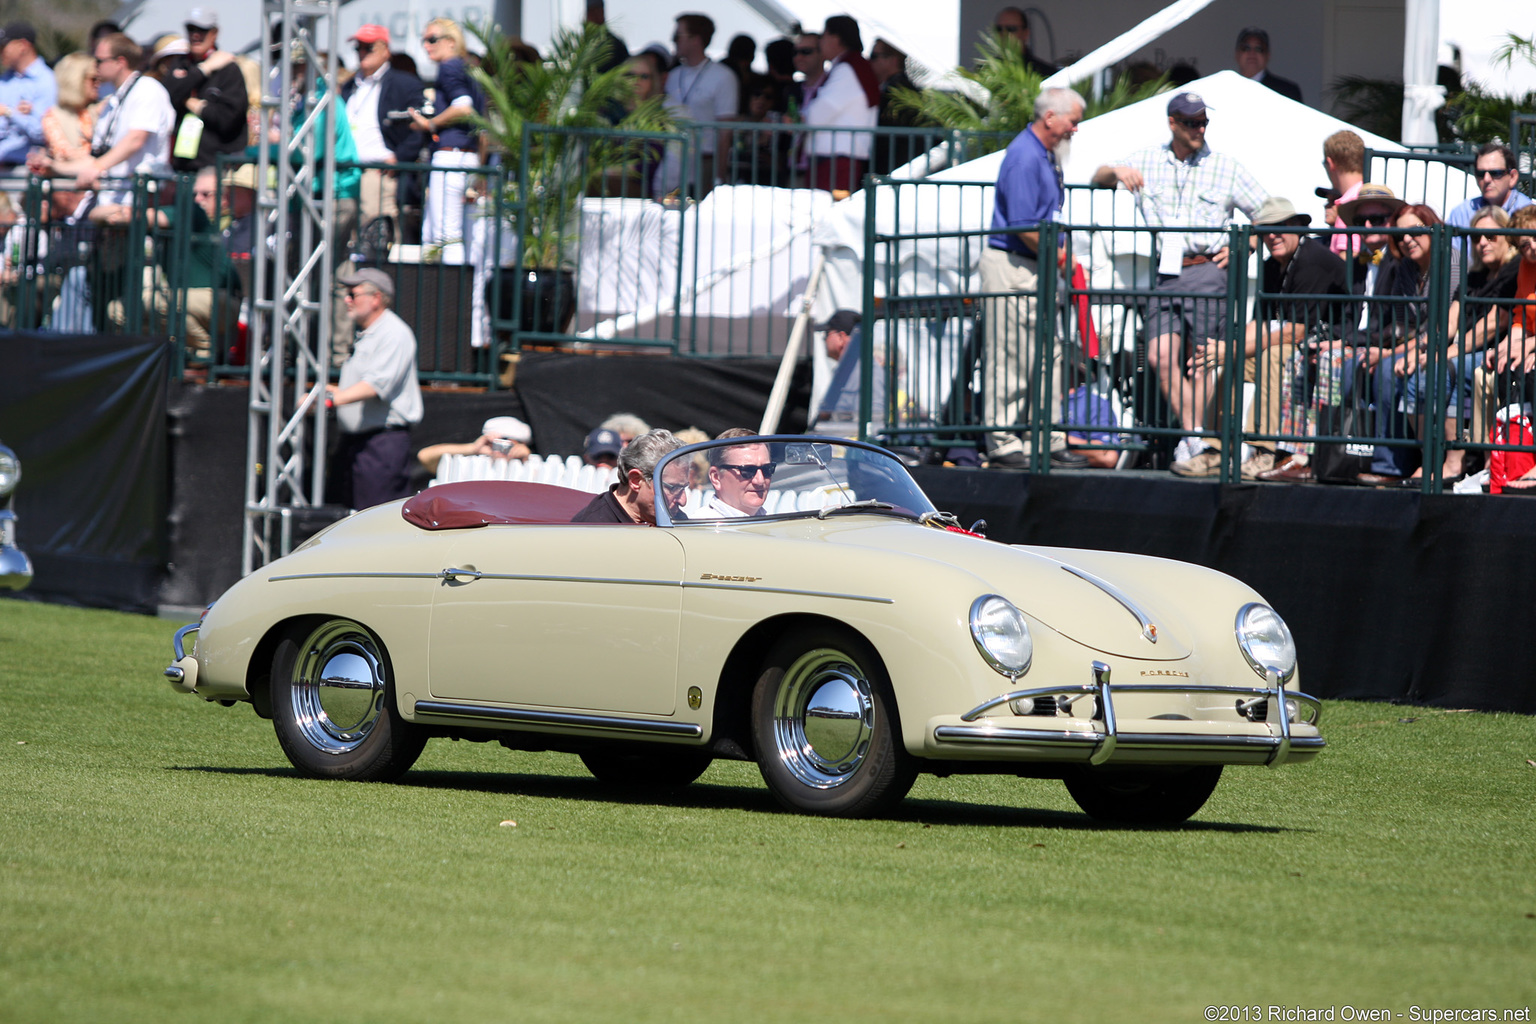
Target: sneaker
point(1207, 463)
point(1261, 462)
point(1187, 448)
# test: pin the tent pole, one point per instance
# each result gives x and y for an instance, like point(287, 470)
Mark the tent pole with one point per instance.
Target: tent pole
point(780, 392)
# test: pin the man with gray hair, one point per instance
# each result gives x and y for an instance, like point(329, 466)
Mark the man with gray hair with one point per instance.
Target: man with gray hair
point(1029, 192)
point(632, 500)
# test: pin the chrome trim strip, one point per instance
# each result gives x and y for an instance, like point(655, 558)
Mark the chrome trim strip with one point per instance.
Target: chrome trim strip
point(995, 736)
point(531, 578)
point(177, 647)
point(691, 585)
point(1148, 627)
point(523, 716)
point(1258, 692)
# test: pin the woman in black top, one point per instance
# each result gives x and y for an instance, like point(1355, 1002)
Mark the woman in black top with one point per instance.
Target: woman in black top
point(455, 141)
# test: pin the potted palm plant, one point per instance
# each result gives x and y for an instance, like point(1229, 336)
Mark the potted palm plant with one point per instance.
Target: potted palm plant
point(559, 124)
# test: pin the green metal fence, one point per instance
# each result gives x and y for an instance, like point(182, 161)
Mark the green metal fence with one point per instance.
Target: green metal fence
point(1336, 377)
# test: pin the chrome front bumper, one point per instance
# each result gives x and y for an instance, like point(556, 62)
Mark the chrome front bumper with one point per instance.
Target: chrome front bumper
point(1100, 739)
point(182, 672)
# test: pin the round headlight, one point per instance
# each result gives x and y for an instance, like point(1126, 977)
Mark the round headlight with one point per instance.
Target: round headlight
point(1001, 635)
point(10, 471)
point(1265, 640)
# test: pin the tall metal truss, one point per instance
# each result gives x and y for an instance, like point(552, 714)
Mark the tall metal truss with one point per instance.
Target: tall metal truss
point(289, 347)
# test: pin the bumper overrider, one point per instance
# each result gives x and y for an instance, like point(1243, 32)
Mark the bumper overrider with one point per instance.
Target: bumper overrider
point(182, 672)
point(1261, 725)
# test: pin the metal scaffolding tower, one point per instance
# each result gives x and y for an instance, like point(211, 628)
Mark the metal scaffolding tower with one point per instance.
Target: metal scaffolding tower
point(289, 348)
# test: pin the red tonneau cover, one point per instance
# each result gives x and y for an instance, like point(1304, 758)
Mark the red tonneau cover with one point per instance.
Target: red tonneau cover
point(478, 502)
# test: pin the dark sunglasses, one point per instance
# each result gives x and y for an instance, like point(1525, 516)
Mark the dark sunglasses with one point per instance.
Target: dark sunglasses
point(805, 51)
point(675, 488)
point(1008, 29)
point(1375, 220)
point(880, 54)
point(1191, 123)
point(429, 40)
point(1491, 172)
point(748, 472)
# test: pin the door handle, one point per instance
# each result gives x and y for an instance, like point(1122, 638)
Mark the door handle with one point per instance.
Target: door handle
point(455, 575)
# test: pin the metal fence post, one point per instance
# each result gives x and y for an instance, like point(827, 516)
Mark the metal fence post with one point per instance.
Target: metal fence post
point(867, 330)
point(1432, 395)
point(1047, 317)
point(1229, 396)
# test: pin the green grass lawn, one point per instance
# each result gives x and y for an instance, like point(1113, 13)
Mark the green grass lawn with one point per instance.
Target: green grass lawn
point(160, 861)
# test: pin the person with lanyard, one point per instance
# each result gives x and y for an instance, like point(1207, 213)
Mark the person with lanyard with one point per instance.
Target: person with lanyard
point(706, 91)
point(456, 141)
point(847, 97)
point(1187, 187)
point(1029, 192)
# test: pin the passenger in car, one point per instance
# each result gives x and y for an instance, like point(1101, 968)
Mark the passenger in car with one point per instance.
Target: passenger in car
point(740, 475)
point(633, 499)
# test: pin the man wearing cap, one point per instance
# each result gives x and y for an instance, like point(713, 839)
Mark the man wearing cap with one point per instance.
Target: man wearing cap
point(377, 398)
point(1029, 191)
point(838, 410)
point(1253, 63)
point(207, 89)
point(632, 501)
point(502, 437)
point(27, 91)
point(602, 447)
point(1296, 264)
point(1498, 172)
point(379, 99)
point(1186, 184)
point(1344, 160)
point(240, 201)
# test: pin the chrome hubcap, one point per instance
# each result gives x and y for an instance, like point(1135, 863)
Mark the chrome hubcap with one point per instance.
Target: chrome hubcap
point(823, 718)
point(338, 687)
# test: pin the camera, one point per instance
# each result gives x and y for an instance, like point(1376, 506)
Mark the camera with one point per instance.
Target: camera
point(502, 445)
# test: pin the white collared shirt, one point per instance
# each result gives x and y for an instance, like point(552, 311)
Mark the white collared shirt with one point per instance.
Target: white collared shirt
point(363, 118)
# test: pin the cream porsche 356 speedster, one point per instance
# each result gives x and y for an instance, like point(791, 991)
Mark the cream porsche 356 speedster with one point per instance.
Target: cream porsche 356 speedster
point(845, 635)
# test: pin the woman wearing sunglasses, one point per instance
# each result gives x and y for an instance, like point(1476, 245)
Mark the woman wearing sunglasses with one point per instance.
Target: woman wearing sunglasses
point(455, 140)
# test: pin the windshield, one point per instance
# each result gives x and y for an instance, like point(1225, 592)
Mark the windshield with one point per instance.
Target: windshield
point(778, 476)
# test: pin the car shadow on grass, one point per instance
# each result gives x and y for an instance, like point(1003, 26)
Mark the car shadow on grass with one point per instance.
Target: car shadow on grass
point(706, 795)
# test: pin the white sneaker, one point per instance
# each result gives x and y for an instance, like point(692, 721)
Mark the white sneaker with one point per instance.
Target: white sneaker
point(1188, 448)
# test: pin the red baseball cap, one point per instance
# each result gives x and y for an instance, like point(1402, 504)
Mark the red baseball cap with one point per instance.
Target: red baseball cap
point(371, 34)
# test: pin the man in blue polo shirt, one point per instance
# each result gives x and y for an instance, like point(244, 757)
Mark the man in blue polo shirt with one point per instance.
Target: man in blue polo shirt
point(1497, 173)
point(1029, 190)
point(27, 90)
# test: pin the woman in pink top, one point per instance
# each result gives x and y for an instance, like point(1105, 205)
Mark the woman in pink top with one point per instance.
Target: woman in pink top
point(67, 127)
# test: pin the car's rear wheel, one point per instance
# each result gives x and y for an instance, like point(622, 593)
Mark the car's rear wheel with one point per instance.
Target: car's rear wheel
point(825, 727)
point(661, 769)
point(1143, 796)
point(333, 705)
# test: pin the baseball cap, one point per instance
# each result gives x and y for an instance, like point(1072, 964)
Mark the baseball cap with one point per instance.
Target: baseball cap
point(202, 17)
point(18, 30)
point(370, 34)
point(1326, 194)
point(369, 276)
point(844, 320)
point(604, 442)
point(508, 426)
point(1186, 104)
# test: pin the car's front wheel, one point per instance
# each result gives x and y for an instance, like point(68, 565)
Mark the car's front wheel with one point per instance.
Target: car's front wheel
point(1143, 796)
point(660, 769)
point(333, 705)
point(824, 724)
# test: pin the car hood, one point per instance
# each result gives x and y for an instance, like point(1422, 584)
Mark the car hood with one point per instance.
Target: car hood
point(1101, 604)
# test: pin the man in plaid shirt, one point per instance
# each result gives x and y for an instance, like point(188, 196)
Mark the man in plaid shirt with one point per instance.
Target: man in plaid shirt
point(1192, 191)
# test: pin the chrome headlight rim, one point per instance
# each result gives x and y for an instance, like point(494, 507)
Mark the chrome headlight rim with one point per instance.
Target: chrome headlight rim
point(997, 663)
point(10, 472)
point(1281, 637)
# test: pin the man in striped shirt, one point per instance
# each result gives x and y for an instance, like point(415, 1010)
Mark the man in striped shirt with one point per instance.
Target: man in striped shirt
point(1190, 191)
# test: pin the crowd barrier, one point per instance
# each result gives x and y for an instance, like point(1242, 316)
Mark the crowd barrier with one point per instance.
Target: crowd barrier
point(1343, 378)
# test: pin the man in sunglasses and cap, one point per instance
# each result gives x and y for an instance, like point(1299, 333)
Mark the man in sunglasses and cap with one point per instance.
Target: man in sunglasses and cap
point(1184, 184)
point(1295, 264)
point(207, 86)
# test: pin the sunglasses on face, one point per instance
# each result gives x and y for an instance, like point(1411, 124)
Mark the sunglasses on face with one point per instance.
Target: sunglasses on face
point(1375, 220)
point(1008, 29)
point(357, 293)
point(429, 40)
point(675, 489)
point(748, 472)
point(197, 33)
point(1191, 123)
point(1491, 172)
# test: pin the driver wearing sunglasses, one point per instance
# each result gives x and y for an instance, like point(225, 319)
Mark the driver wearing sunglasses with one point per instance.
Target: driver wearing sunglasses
point(740, 476)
